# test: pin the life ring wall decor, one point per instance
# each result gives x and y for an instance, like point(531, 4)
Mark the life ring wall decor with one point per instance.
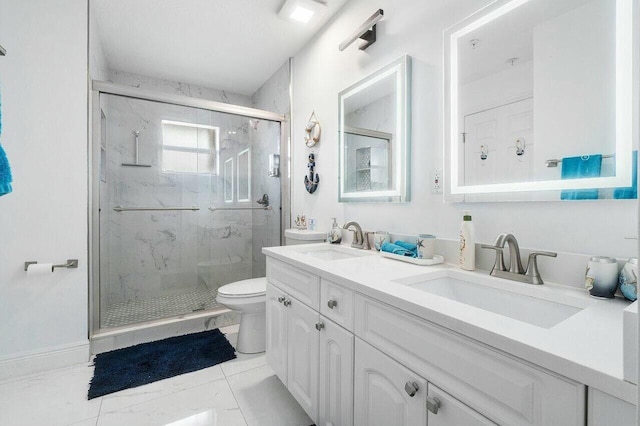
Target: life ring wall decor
point(312, 180)
point(312, 131)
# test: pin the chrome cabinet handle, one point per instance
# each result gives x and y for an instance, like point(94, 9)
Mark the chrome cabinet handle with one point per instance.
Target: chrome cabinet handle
point(319, 326)
point(411, 388)
point(281, 299)
point(286, 302)
point(332, 303)
point(433, 404)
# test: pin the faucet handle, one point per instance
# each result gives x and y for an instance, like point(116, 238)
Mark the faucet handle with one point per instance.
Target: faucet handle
point(366, 244)
point(532, 265)
point(499, 263)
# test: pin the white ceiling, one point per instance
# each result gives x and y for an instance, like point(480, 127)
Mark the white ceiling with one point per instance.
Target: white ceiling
point(233, 45)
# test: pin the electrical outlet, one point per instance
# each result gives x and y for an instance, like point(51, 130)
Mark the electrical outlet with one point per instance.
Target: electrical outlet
point(436, 181)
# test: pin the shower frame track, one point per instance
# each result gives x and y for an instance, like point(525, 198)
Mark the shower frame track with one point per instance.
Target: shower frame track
point(95, 118)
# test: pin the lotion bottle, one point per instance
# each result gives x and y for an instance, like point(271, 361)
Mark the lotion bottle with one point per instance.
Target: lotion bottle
point(467, 253)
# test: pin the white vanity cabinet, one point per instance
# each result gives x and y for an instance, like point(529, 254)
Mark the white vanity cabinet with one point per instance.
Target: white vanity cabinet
point(380, 395)
point(350, 359)
point(312, 355)
point(292, 346)
point(336, 375)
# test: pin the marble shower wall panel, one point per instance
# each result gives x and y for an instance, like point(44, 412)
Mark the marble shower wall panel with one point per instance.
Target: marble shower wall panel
point(154, 254)
point(178, 88)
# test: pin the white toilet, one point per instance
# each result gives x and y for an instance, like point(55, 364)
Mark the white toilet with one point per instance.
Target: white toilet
point(249, 298)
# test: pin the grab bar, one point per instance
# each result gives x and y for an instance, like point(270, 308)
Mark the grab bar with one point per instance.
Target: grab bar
point(214, 208)
point(152, 209)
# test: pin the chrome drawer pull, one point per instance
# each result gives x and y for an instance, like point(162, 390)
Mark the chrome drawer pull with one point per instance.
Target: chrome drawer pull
point(433, 404)
point(411, 388)
point(332, 303)
point(287, 302)
point(280, 299)
point(319, 326)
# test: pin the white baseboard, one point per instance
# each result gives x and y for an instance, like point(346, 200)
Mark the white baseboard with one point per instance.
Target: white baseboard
point(38, 362)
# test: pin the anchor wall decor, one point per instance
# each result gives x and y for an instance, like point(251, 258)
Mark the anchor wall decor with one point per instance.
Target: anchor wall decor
point(312, 180)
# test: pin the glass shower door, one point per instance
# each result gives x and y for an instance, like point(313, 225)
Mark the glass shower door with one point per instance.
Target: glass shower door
point(164, 248)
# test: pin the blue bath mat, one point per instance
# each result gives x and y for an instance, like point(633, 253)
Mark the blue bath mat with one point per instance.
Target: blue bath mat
point(149, 362)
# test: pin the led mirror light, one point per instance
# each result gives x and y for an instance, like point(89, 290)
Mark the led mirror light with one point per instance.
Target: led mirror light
point(625, 87)
point(301, 11)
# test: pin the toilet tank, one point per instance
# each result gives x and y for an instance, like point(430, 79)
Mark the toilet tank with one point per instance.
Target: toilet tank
point(303, 236)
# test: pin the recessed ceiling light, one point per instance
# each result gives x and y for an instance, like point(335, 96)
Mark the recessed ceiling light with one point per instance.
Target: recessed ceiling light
point(301, 11)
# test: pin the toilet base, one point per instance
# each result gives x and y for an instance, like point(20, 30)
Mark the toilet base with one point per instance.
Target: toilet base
point(252, 333)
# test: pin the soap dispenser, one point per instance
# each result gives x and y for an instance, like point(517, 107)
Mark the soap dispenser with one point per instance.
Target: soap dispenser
point(335, 233)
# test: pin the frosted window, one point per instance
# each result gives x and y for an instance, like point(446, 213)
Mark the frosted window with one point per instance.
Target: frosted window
point(189, 148)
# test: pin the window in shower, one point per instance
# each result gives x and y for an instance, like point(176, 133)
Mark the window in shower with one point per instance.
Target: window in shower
point(190, 148)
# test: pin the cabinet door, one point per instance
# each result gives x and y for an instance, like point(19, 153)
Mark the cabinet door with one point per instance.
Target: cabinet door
point(276, 339)
point(336, 375)
point(380, 396)
point(452, 412)
point(303, 347)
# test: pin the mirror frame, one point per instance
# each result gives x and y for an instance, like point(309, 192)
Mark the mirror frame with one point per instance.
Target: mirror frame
point(626, 121)
point(401, 68)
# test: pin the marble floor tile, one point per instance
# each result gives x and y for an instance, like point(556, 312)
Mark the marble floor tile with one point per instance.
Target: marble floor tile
point(211, 404)
point(243, 362)
point(128, 397)
point(55, 398)
point(265, 401)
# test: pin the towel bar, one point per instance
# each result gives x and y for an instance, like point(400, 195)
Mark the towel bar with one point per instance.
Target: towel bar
point(554, 161)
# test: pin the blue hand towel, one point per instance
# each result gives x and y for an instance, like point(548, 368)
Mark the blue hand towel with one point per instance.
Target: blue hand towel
point(396, 249)
point(407, 246)
point(630, 192)
point(5, 170)
point(577, 168)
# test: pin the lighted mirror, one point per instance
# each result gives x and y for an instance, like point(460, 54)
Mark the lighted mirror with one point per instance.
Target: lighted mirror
point(541, 96)
point(375, 136)
point(244, 175)
point(228, 180)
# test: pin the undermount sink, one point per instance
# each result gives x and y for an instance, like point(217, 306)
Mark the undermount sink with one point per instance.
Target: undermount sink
point(522, 307)
point(333, 253)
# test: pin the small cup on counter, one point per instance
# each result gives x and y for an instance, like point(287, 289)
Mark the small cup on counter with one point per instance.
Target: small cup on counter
point(381, 237)
point(426, 244)
point(601, 277)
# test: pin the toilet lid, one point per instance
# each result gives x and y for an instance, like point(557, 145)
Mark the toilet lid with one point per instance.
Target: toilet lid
point(252, 287)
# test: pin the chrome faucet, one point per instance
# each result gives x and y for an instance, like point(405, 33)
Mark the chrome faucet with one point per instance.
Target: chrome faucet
point(358, 237)
point(516, 272)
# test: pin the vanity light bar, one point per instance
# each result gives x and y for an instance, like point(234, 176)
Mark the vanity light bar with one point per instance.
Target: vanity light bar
point(366, 31)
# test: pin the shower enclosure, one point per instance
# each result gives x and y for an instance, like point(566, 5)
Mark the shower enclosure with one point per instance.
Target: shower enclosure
point(184, 199)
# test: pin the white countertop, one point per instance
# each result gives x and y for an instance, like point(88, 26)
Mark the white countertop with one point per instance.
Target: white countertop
point(587, 347)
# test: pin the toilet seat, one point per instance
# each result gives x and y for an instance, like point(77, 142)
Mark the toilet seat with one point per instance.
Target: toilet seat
point(244, 288)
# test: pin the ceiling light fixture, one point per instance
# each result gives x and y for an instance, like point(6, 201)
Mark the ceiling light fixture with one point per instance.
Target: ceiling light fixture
point(301, 11)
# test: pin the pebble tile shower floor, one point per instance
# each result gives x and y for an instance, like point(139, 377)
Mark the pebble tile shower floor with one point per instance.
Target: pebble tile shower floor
point(137, 311)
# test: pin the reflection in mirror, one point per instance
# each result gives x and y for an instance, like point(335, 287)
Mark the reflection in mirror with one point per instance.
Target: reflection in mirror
point(374, 136)
point(228, 180)
point(540, 98)
point(244, 175)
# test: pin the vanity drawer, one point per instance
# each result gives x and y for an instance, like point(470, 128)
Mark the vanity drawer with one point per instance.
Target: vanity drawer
point(300, 284)
point(336, 303)
point(500, 387)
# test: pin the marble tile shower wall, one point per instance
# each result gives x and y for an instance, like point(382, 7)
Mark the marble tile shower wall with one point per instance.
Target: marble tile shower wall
point(154, 254)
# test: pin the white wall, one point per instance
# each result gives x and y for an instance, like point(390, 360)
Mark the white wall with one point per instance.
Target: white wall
point(43, 80)
point(415, 27)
